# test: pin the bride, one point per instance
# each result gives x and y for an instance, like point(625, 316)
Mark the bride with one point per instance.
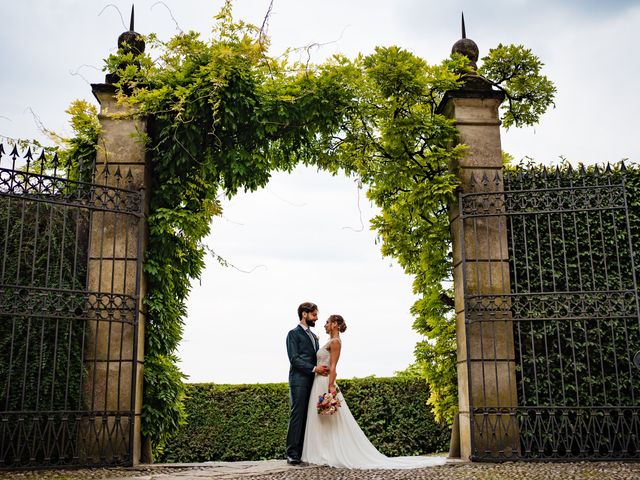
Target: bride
point(337, 440)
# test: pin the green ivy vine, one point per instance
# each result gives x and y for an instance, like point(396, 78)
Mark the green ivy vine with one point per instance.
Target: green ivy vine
point(224, 115)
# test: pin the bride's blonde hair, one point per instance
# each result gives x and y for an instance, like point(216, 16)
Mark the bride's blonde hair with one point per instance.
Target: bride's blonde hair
point(342, 326)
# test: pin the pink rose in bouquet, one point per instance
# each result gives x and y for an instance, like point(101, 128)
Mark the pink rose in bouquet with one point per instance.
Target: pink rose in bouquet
point(328, 404)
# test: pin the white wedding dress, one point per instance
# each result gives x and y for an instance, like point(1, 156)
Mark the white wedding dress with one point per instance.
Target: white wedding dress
point(337, 440)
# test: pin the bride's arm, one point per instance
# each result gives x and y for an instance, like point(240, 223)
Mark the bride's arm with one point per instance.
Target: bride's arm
point(334, 352)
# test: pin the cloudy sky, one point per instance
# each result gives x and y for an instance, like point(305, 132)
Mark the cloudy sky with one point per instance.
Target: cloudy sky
point(306, 236)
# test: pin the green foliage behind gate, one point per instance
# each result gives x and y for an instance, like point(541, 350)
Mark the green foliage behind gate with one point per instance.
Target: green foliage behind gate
point(574, 254)
point(584, 252)
point(45, 251)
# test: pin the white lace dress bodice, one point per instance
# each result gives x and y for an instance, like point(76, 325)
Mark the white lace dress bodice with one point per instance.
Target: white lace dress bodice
point(337, 440)
point(324, 356)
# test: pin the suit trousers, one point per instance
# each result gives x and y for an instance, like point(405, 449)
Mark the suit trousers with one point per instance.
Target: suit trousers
point(299, 399)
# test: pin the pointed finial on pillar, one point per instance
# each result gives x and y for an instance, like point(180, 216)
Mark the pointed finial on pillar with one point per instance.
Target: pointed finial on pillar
point(472, 85)
point(131, 29)
point(467, 47)
point(464, 32)
point(131, 41)
point(128, 42)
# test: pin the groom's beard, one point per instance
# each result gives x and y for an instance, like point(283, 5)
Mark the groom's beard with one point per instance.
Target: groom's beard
point(311, 323)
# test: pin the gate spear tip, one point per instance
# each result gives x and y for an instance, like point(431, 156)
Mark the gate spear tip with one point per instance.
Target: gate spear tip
point(14, 153)
point(42, 158)
point(464, 32)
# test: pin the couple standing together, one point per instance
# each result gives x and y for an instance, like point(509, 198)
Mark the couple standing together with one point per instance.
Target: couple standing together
point(335, 440)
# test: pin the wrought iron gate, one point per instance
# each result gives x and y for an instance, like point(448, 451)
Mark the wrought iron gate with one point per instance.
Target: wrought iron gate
point(571, 308)
point(68, 318)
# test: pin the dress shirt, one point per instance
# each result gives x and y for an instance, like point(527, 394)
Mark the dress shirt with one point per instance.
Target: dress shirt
point(311, 336)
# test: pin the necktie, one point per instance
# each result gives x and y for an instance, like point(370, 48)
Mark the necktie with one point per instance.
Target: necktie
point(313, 339)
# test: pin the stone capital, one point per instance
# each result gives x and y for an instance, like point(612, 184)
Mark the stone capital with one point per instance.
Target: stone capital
point(105, 93)
point(462, 97)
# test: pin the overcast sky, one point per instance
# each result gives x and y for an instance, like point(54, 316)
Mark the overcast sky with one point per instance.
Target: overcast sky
point(306, 236)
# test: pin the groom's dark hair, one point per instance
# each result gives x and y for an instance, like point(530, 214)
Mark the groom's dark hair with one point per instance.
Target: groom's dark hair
point(306, 307)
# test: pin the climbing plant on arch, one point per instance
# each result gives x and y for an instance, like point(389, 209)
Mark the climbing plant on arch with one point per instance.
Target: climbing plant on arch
point(224, 115)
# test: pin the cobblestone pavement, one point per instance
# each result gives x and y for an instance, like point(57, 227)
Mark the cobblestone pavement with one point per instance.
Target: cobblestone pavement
point(279, 470)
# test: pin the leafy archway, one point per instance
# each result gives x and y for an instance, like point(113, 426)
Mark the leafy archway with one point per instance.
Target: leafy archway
point(224, 115)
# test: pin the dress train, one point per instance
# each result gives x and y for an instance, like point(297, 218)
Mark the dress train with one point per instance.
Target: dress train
point(337, 440)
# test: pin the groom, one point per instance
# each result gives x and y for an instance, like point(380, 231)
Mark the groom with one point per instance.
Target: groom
point(302, 346)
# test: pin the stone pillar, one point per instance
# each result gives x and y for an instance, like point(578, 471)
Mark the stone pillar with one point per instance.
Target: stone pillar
point(114, 344)
point(114, 335)
point(485, 353)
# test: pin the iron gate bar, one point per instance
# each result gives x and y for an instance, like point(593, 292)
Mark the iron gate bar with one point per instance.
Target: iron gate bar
point(481, 304)
point(572, 404)
point(631, 256)
point(136, 331)
point(52, 413)
point(20, 301)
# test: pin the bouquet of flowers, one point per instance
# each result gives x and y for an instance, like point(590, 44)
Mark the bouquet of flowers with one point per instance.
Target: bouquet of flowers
point(328, 403)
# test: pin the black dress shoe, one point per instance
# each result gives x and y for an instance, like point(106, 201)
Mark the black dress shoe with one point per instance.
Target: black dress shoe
point(293, 461)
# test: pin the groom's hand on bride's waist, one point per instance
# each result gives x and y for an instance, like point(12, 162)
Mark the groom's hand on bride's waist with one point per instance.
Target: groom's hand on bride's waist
point(322, 370)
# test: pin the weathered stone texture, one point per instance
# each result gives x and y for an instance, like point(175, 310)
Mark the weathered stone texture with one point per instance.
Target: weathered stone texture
point(114, 254)
point(486, 366)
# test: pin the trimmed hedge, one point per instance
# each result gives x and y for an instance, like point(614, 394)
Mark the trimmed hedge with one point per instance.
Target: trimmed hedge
point(249, 422)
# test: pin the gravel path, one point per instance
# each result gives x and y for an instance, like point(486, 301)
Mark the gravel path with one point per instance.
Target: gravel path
point(504, 471)
point(280, 471)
